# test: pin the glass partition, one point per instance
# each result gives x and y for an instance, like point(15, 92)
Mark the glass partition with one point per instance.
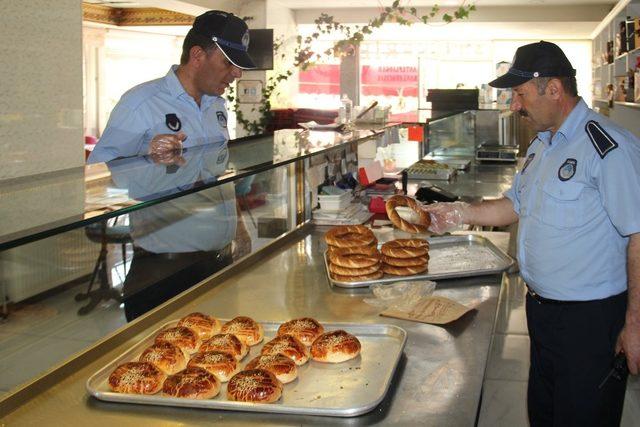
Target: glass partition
point(84, 251)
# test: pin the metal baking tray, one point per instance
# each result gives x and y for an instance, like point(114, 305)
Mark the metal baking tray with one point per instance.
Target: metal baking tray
point(450, 257)
point(342, 390)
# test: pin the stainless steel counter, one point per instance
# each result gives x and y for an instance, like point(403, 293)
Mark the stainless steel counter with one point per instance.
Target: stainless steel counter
point(438, 382)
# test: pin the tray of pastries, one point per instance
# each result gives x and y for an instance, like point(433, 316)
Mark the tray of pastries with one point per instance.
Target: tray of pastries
point(300, 366)
point(355, 258)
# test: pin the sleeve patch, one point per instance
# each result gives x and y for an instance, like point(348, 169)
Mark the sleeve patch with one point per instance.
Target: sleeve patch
point(601, 140)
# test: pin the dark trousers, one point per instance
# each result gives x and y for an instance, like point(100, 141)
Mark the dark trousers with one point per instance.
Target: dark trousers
point(572, 350)
point(156, 278)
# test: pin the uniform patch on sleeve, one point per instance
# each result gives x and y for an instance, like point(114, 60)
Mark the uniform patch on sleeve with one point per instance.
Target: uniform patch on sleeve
point(600, 139)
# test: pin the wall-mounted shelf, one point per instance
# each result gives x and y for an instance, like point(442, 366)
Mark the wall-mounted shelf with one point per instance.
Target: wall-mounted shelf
point(623, 113)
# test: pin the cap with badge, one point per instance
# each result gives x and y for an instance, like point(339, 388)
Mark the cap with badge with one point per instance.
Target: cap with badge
point(229, 33)
point(541, 59)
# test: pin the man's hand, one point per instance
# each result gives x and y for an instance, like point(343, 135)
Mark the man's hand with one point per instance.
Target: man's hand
point(629, 338)
point(166, 149)
point(629, 343)
point(446, 216)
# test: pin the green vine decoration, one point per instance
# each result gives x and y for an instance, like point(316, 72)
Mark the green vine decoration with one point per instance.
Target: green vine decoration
point(304, 57)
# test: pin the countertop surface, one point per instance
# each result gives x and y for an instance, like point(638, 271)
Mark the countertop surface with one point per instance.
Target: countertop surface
point(438, 380)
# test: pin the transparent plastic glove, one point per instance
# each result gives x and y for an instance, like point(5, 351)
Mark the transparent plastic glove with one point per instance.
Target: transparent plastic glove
point(400, 295)
point(166, 142)
point(447, 216)
point(166, 149)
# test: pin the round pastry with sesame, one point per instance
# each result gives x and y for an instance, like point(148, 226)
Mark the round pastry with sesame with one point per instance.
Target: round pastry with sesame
point(289, 346)
point(136, 378)
point(306, 329)
point(281, 366)
point(254, 385)
point(226, 343)
point(181, 336)
point(245, 328)
point(335, 347)
point(167, 357)
point(203, 325)
point(222, 365)
point(192, 383)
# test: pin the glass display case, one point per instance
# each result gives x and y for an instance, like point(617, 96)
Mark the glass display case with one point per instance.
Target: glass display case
point(84, 251)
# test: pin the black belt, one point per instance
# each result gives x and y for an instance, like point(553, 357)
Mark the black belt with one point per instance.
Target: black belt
point(170, 256)
point(542, 300)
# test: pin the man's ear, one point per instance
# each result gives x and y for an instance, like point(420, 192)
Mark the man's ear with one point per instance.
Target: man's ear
point(554, 88)
point(196, 53)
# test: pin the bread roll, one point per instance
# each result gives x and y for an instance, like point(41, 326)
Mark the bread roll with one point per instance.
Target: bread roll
point(222, 365)
point(226, 343)
point(136, 378)
point(203, 325)
point(305, 329)
point(245, 328)
point(166, 356)
point(180, 336)
point(281, 366)
point(255, 385)
point(335, 347)
point(192, 383)
point(288, 346)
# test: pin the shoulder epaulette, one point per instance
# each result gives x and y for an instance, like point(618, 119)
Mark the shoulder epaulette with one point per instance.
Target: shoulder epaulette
point(600, 139)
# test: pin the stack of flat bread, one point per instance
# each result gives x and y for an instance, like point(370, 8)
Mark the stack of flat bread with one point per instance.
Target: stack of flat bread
point(353, 254)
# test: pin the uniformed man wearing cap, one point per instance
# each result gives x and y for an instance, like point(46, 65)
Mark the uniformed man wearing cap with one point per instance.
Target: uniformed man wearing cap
point(576, 200)
point(179, 242)
point(185, 107)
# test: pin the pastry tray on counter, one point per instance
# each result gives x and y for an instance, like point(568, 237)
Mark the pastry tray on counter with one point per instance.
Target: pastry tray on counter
point(343, 389)
point(450, 257)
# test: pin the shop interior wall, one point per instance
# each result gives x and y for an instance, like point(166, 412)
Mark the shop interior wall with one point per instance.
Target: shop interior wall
point(41, 103)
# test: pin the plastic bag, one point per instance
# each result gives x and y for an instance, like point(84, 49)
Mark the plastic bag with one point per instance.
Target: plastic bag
point(400, 295)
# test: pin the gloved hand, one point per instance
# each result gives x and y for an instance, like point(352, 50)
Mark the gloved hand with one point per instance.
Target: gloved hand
point(447, 216)
point(165, 142)
point(167, 148)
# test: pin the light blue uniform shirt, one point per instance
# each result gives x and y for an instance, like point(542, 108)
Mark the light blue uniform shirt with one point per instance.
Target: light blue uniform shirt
point(201, 221)
point(149, 109)
point(577, 209)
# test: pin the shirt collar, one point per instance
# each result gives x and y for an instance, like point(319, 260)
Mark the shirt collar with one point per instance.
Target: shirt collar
point(173, 84)
point(177, 90)
point(570, 125)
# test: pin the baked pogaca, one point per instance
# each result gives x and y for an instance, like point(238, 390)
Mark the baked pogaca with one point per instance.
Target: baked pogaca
point(335, 347)
point(192, 383)
point(136, 378)
point(245, 328)
point(254, 385)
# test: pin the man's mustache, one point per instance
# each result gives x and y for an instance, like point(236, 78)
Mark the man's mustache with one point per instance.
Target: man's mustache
point(523, 113)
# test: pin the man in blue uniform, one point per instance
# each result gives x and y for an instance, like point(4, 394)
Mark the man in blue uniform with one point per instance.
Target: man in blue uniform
point(576, 199)
point(184, 108)
point(180, 242)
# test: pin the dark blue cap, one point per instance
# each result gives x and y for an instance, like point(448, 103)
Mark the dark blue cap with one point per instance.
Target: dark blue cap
point(541, 59)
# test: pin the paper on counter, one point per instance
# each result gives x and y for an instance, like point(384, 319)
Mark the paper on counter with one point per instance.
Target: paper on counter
point(433, 309)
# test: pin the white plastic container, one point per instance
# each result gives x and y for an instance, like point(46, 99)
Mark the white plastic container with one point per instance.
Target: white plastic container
point(335, 203)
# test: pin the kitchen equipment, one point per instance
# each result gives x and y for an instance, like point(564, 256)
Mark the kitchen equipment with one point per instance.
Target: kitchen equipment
point(492, 151)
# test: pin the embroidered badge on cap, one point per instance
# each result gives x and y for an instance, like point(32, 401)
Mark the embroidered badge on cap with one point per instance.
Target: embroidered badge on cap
point(173, 122)
point(567, 170)
point(222, 119)
point(600, 139)
point(245, 39)
point(529, 160)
